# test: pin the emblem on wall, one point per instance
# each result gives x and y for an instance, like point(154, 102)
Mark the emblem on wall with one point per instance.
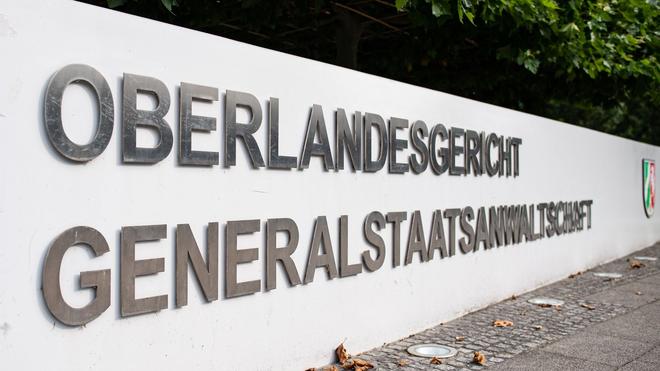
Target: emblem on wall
point(648, 169)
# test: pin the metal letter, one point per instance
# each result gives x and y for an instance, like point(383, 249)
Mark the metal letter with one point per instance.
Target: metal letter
point(505, 156)
point(577, 220)
point(437, 240)
point(455, 150)
point(316, 124)
point(275, 160)
point(345, 141)
point(452, 214)
point(440, 131)
point(375, 240)
point(397, 145)
point(580, 216)
point(189, 123)
point(132, 117)
point(496, 223)
point(131, 268)
point(568, 216)
point(233, 130)
point(559, 228)
point(396, 218)
point(532, 216)
point(588, 203)
point(98, 280)
point(566, 225)
point(541, 208)
point(234, 257)
point(374, 120)
point(491, 141)
point(481, 230)
point(53, 112)
point(568, 220)
point(467, 245)
point(474, 157)
point(512, 226)
point(525, 230)
point(320, 238)
point(345, 269)
point(276, 254)
point(574, 215)
point(515, 143)
point(550, 213)
point(188, 251)
point(419, 127)
point(416, 239)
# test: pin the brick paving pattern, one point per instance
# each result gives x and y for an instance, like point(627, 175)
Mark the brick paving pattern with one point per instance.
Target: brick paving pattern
point(588, 301)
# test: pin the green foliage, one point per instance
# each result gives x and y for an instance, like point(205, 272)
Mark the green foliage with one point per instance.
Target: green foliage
point(617, 38)
point(115, 3)
point(614, 43)
point(593, 63)
point(168, 4)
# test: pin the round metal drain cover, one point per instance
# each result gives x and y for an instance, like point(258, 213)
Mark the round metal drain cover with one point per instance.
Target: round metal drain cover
point(545, 301)
point(647, 258)
point(432, 350)
point(608, 275)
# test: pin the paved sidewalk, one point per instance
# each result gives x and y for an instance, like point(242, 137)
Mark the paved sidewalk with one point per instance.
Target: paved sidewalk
point(604, 324)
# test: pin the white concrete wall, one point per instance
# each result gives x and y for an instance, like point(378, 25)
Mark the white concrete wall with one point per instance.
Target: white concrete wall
point(41, 195)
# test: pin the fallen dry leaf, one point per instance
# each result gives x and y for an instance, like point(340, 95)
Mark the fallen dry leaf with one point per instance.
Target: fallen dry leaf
point(342, 354)
point(357, 368)
point(574, 274)
point(479, 358)
point(403, 362)
point(635, 264)
point(538, 327)
point(348, 364)
point(638, 293)
point(330, 368)
point(502, 323)
point(590, 307)
point(436, 361)
point(459, 338)
point(362, 363)
point(311, 369)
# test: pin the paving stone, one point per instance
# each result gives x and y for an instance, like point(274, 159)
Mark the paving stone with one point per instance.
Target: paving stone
point(602, 349)
point(540, 360)
point(648, 360)
point(653, 280)
point(631, 326)
point(580, 335)
point(627, 295)
point(640, 366)
point(649, 313)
